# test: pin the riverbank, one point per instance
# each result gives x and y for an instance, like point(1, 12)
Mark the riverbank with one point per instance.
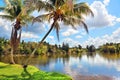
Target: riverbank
point(16, 72)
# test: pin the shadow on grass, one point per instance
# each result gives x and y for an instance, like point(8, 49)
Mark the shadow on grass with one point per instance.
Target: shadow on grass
point(9, 77)
point(25, 74)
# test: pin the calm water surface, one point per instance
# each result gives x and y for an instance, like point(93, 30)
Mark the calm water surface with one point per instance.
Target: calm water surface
point(84, 65)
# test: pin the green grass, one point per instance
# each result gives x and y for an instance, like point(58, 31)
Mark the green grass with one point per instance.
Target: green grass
point(16, 72)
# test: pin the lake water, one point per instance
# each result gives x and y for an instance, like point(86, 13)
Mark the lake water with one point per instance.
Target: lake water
point(84, 65)
point(79, 65)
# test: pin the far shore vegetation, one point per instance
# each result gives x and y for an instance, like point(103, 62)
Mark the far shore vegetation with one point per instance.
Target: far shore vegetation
point(26, 48)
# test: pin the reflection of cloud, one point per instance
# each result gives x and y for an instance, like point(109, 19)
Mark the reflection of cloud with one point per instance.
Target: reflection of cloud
point(73, 66)
point(118, 67)
point(98, 60)
point(52, 66)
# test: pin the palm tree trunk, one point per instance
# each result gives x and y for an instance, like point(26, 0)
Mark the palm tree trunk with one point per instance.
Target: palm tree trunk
point(52, 26)
point(11, 56)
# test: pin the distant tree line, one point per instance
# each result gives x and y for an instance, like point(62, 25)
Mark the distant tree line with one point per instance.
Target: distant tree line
point(110, 48)
point(26, 48)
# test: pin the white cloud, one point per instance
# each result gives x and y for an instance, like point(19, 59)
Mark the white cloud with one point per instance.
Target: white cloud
point(114, 37)
point(69, 32)
point(71, 42)
point(36, 28)
point(32, 31)
point(118, 19)
point(78, 36)
point(51, 39)
point(28, 35)
point(5, 28)
point(101, 16)
point(106, 2)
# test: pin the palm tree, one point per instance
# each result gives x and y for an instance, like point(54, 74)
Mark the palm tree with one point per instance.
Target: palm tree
point(65, 11)
point(15, 11)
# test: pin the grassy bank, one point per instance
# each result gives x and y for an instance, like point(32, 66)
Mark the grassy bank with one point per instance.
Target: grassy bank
point(16, 72)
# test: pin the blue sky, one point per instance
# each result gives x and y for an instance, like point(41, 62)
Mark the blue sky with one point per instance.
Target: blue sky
point(104, 27)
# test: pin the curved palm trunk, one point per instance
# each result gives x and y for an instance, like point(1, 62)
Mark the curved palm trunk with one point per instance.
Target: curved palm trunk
point(15, 40)
point(12, 57)
point(52, 26)
point(12, 47)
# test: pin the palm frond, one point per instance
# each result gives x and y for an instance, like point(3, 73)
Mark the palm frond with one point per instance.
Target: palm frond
point(2, 8)
point(43, 17)
point(9, 17)
point(38, 4)
point(73, 21)
point(48, 6)
point(84, 25)
point(7, 2)
point(82, 8)
point(26, 19)
point(68, 20)
point(57, 3)
point(13, 7)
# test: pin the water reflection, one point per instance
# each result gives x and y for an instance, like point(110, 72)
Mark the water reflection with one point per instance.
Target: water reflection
point(85, 65)
point(90, 64)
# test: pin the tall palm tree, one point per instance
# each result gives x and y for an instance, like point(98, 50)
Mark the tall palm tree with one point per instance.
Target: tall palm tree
point(65, 11)
point(15, 11)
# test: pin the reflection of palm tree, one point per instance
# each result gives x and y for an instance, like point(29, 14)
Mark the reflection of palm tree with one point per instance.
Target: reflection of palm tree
point(14, 10)
point(64, 11)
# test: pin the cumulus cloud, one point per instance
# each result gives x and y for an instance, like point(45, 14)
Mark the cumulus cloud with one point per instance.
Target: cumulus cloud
point(69, 32)
point(78, 36)
point(25, 35)
point(5, 28)
point(118, 19)
point(51, 39)
point(31, 31)
point(114, 37)
point(106, 2)
point(101, 16)
point(36, 28)
point(71, 42)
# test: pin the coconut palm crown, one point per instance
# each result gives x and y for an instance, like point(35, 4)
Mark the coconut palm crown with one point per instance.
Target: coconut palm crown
point(14, 10)
point(66, 11)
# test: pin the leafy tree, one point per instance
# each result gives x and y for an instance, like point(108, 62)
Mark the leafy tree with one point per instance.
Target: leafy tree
point(15, 11)
point(79, 46)
point(65, 47)
point(91, 48)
